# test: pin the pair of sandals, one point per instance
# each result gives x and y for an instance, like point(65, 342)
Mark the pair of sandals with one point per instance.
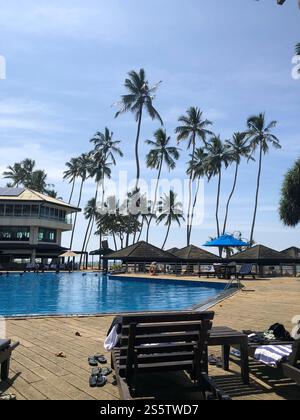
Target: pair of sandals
point(99, 377)
point(215, 361)
point(95, 360)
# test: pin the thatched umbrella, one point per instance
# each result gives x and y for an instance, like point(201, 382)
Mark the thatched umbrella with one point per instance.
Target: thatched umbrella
point(70, 254)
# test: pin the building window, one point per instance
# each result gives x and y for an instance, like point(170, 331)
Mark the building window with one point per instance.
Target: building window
point(9, 210)
point(12, 233)
point(47, 235)
point(18, 210)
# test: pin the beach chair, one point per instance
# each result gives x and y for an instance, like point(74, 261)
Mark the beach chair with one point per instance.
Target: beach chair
point(6, 349)
point(210, 272)
point(30, 267)
point(246, 271)
point(289, 369)
point(164, 343)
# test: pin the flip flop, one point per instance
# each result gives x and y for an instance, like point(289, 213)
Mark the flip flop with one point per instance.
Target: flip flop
point(107, 371)
point(212, 360)
point(97, 381)
point(93, 361)
point(8, 397)
point(101, 359)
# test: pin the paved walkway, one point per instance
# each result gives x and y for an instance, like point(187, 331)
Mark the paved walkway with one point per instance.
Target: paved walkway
point(37, 374)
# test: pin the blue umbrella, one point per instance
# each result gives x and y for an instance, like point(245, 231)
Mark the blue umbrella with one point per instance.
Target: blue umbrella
point(226, 241)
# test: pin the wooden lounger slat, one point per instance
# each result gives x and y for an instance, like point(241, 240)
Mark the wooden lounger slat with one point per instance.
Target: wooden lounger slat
point(170, 317)
point(160, 328)
point(163, 338)
point(155, 358)
point(162, 348)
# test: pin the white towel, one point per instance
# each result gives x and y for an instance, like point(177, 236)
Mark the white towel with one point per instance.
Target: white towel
point(112, 339)
point(273, 355)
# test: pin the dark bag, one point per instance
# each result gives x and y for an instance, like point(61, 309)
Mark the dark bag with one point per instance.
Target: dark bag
point(280, 333)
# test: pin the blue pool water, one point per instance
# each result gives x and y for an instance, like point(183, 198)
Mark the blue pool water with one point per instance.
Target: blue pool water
point(75, 294)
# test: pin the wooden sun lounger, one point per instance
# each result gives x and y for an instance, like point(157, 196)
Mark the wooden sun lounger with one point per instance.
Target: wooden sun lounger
point(246, 271)
point(291, 368)
point(6, 349)
point(164, 342)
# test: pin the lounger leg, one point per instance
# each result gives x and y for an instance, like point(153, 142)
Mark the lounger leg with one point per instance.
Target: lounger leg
point(245, 361)
point(226, 355)
point(5, 370)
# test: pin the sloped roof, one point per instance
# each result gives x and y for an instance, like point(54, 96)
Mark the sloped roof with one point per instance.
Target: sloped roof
point(144, 252)
point(193, 253)
point(260, 253)
point(25, 194)
point(172, 250)
point(292, 252)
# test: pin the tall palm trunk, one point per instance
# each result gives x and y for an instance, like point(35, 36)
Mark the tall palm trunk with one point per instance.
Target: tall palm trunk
point(76, 215)
point(190, 195)
point(138, 169)
point(167, 235)
point(72, 190)
point(148, 226)
point(218, 203)
point(194, 206)
point(141, 231)
point(84, 241)
point(115, 241)
point(91, 218)
point(155, 199)
point(230, 197)
point(257, 194)
point(217, 209)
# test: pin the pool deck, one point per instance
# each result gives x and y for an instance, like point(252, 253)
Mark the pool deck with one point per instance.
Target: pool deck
point(37, 374)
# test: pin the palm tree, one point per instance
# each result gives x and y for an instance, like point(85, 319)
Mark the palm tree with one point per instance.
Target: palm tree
point(99, 169)
point(193, 126)
point(20, 173)
point(261, 138)
point(28, 166)
point(104, 143)
point(197, 168)
point(15, 174)
point(38, 182)
point(290, 197)
point(53, 194)
point(90, 211)
point(83, 163)
point(171, 211)
point(140, 96)
point(71, 174)
point(218, 154)
point(105, 150)
point(160, 154)
point(239, 148)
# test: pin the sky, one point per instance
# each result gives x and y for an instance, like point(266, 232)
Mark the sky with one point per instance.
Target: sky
point(67, 62)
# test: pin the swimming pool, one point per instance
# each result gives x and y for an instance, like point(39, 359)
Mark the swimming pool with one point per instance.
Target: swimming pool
point(90, 294)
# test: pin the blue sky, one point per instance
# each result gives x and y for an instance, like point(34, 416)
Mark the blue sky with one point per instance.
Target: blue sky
point(67, 60)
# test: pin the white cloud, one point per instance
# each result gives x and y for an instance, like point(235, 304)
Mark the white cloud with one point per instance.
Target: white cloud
point(25, 114)
point(72, 19)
